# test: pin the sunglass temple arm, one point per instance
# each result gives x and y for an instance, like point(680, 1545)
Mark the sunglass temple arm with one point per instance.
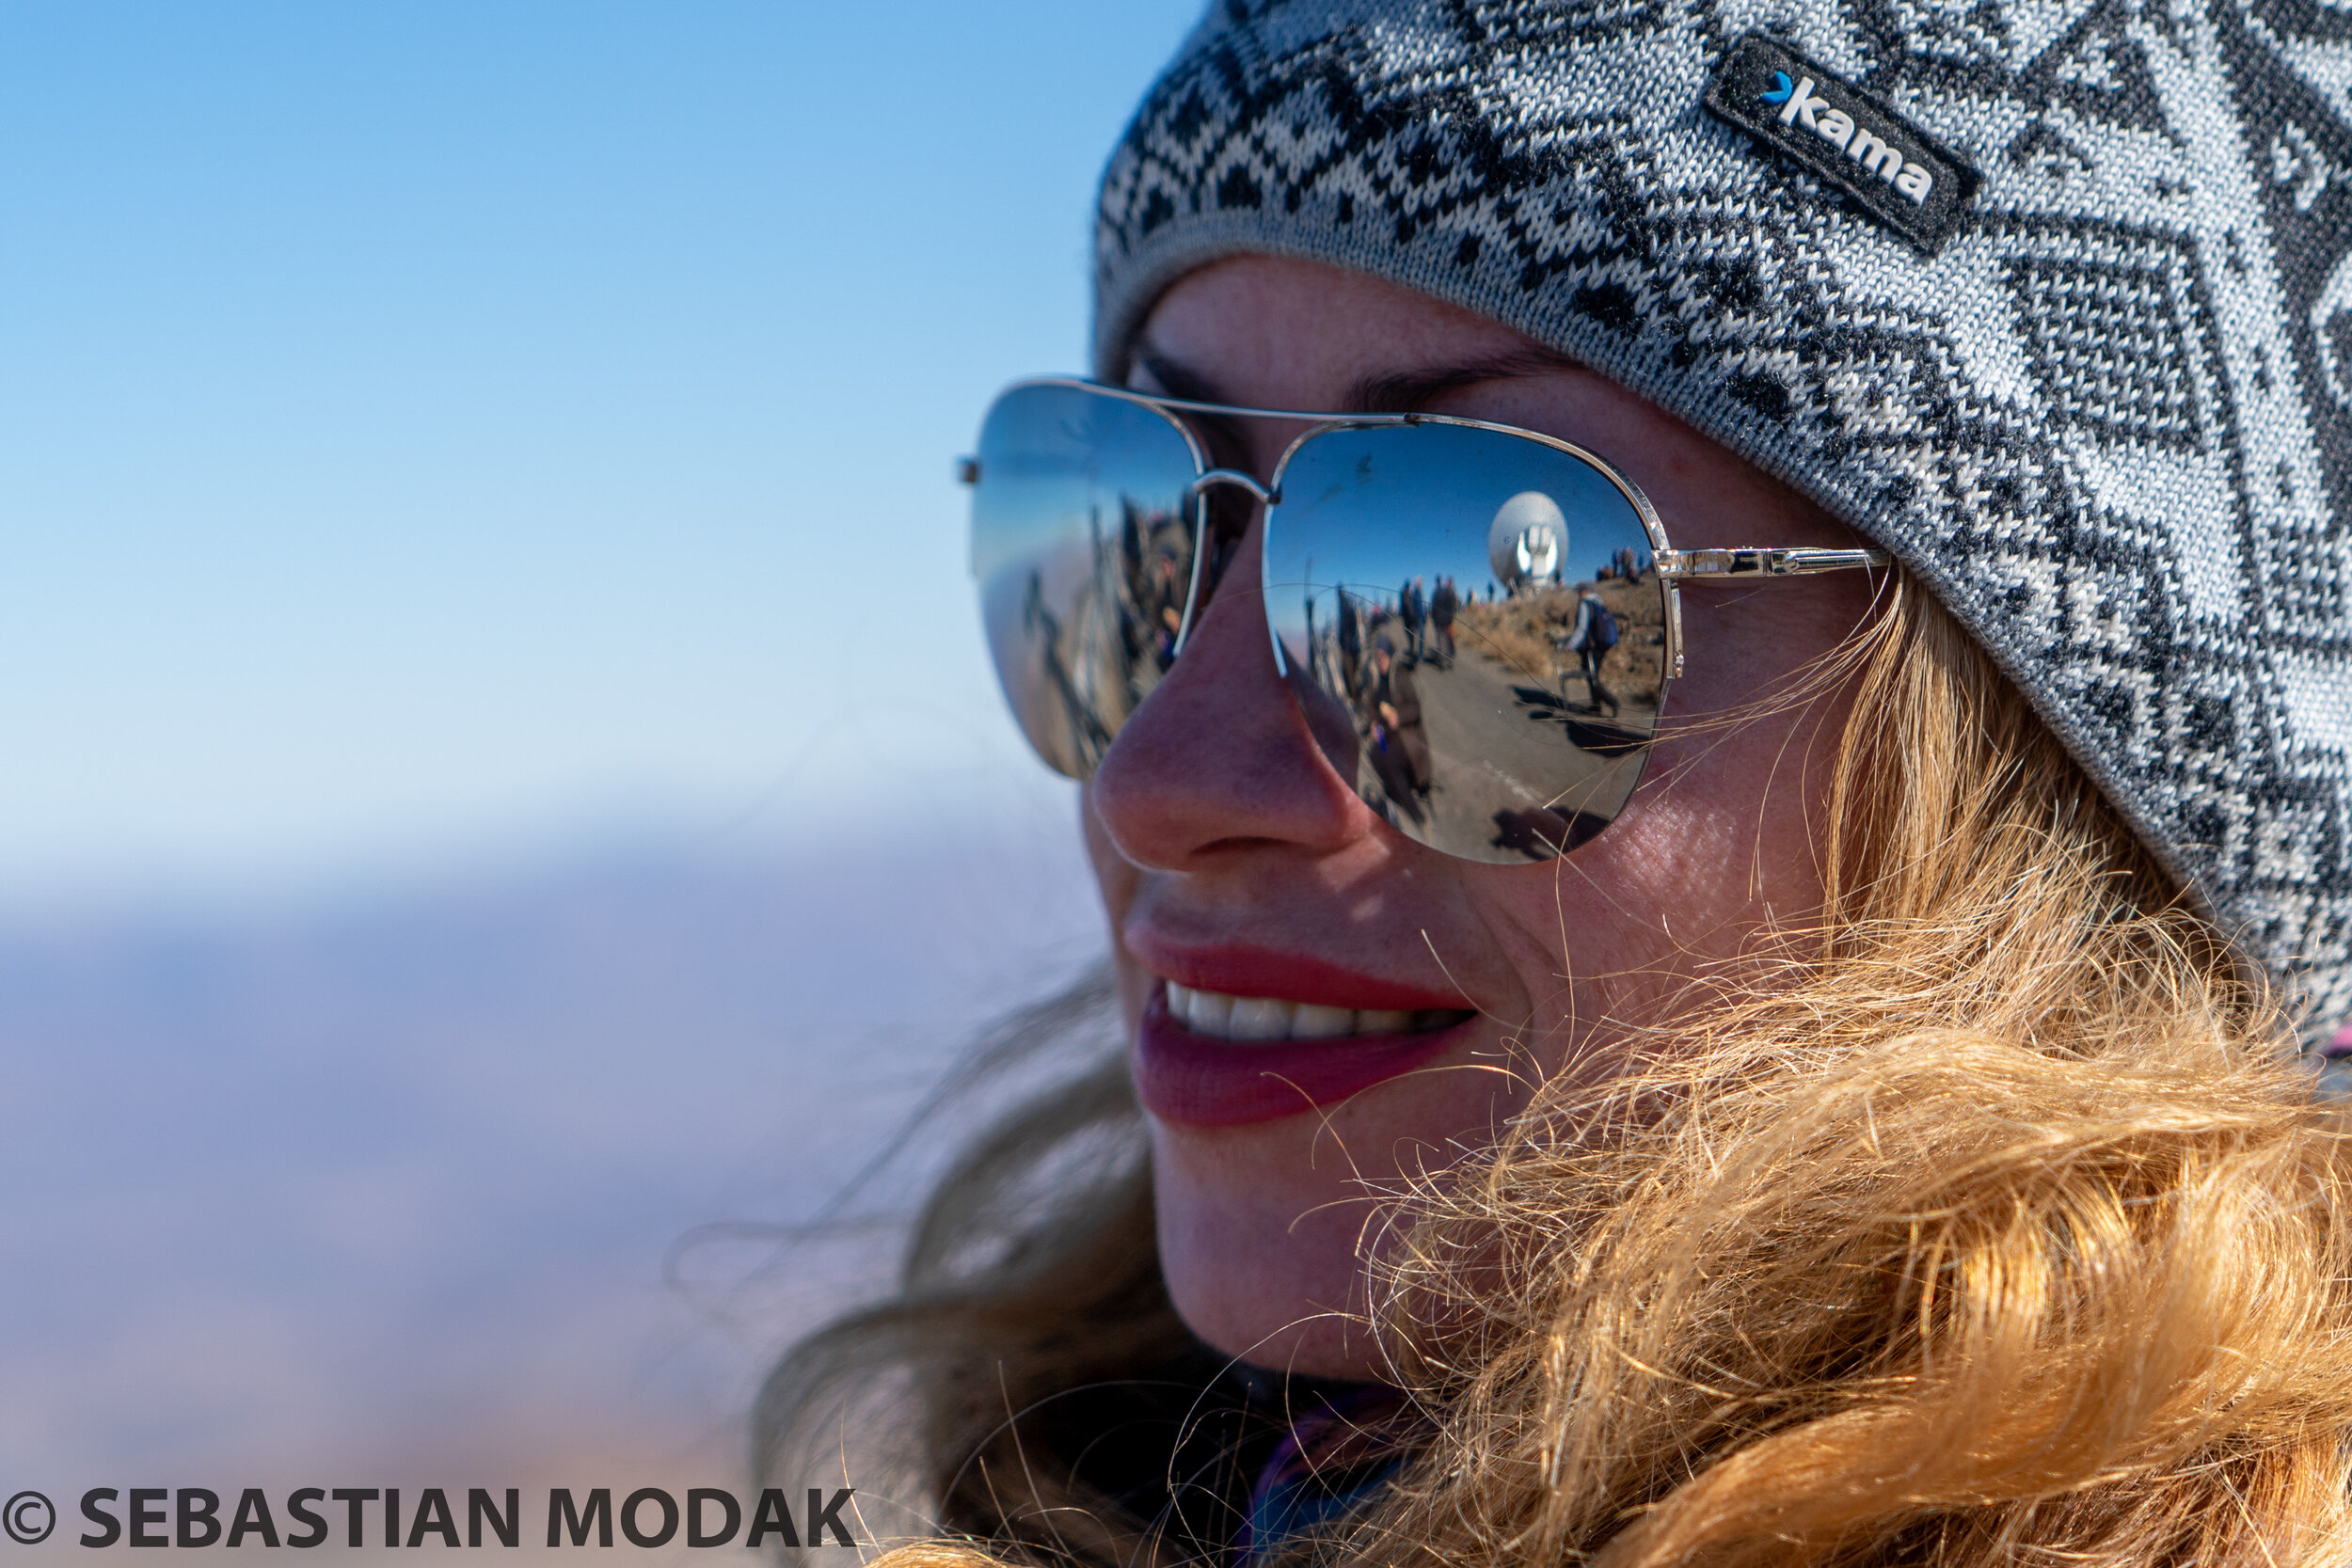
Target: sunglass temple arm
point(1711, 566)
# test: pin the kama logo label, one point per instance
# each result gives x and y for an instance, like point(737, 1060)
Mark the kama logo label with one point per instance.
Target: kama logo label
point(1891, 170)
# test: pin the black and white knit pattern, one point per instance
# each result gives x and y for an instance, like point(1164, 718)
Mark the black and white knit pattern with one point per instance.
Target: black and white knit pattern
point(2109, 421)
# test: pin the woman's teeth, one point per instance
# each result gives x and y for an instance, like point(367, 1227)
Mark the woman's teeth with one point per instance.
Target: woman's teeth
point(1261, 1018)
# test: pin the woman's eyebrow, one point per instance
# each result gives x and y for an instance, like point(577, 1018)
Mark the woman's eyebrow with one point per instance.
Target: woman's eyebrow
point(1413, 391)
point(1177, 380)
point(1409, 391)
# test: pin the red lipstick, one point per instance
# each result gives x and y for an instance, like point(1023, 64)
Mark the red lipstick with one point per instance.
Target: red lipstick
point(1201, 1080)
point(1255, 972)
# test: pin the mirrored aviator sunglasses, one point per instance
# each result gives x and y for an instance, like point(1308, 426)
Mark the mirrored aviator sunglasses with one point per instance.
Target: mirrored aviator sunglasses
point(1479, 623)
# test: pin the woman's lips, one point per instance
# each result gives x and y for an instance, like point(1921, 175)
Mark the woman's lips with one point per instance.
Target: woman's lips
point(1214, 1059)
point(1255, 972)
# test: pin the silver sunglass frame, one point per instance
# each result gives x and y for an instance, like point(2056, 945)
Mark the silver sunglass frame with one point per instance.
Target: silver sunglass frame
point(1673, 567)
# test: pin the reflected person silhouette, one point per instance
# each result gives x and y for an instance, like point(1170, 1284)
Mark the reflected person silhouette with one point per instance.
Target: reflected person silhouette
point(1398, 746)
point(1590, 638)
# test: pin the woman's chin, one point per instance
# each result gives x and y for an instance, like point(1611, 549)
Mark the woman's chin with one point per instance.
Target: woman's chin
point(1282, 1285)
point(1307, 1342)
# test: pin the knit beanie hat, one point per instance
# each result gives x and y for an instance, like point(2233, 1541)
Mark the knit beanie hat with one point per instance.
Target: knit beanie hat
point(2051, 298)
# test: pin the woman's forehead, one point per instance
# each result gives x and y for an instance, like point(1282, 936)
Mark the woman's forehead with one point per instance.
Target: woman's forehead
point(1267, 331)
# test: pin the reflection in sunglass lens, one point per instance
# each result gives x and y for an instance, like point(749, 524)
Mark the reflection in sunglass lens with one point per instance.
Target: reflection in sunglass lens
point(1081, 539)
point(1474, 630)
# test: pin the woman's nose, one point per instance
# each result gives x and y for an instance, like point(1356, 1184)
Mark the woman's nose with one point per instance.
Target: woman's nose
point(1219, 757)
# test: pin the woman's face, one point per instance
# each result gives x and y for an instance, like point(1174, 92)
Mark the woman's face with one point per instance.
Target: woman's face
point(1233, 860)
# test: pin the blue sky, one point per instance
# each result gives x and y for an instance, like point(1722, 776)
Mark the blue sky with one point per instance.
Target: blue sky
point(478, 477)
point(434, 426)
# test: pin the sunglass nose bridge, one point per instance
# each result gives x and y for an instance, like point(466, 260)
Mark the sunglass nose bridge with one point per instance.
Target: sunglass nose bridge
point(1235, 478)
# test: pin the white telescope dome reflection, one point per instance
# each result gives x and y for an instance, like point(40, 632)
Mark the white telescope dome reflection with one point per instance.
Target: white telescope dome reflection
point(1528, 540)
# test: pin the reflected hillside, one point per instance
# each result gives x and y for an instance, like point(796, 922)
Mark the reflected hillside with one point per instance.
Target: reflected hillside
point(1520, 634)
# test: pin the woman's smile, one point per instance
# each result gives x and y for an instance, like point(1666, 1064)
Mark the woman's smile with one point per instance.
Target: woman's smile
point(1207, 1058)
point(1236, 1025)
point(1259, 1019)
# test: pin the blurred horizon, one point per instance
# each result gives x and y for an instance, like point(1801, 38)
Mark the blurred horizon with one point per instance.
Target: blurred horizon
point(490, 1182)
point(504, 781)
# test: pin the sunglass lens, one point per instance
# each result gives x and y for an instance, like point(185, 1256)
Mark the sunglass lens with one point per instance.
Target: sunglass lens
point(1081, 539)
point(1472, 625)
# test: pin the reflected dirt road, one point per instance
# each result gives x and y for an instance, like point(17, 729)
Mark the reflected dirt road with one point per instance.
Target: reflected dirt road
point(1504, 743)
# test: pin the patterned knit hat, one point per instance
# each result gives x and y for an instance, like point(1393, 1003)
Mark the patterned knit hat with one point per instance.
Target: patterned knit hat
point(2052, 298)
